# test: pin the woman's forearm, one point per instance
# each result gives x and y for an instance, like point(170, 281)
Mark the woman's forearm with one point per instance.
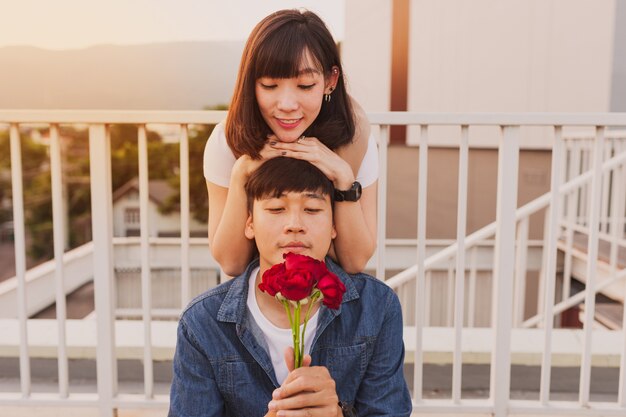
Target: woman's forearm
point(228, 243)
point(356, 231)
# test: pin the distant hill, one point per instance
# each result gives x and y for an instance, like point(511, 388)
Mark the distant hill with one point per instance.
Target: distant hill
point(166, 76)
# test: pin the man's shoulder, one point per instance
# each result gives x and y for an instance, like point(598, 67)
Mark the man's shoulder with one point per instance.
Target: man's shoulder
point(368, 291)
point(368, 285)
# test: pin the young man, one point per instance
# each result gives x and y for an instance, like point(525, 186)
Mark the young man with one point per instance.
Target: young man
point(233, 356)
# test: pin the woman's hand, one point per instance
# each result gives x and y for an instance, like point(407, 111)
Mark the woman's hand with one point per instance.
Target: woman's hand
point(246, 165)
point(312, 150)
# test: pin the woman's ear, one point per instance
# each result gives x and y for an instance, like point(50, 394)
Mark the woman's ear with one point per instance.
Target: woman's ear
point(332, 80)
point(249, 230)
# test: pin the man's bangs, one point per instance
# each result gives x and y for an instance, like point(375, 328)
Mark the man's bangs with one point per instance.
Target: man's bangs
point(278, 192)
point(282, 175)
point(285, 57)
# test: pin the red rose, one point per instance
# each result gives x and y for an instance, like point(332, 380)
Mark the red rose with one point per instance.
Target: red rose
point(272, 280)
point(295, 261)
point(298, 284)
point(332, 289)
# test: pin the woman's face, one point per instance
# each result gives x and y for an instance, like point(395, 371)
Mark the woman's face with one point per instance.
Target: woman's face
point(290, 105)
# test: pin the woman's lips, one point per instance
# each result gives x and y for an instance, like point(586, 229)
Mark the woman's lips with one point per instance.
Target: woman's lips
point(288, 123)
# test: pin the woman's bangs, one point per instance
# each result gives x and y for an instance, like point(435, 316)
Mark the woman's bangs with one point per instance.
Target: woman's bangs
point(284, 57)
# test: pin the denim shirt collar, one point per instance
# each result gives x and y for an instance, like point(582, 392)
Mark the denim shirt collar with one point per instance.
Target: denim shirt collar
point(233, 308)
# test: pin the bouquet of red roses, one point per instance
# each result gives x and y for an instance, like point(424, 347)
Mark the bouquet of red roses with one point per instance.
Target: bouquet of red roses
point(302, 280)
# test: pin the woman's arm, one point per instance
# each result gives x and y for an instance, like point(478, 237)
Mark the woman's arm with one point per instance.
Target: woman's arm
point(356, 221)
point(228, 211)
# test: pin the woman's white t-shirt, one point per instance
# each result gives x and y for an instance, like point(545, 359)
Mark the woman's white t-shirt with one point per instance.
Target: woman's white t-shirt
point(278, 339)
point(219, 160)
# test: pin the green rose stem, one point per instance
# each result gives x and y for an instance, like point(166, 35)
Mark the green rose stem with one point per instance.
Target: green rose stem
point(312, 301)
point(297, 348)
point(288, 309)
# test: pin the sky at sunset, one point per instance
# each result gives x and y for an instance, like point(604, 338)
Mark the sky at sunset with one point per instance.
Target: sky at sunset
point(68, 24)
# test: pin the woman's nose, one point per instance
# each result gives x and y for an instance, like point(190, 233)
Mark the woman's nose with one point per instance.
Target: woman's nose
point(287, 101)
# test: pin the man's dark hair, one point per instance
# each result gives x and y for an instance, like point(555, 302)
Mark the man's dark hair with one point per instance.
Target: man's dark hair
point(283, 175)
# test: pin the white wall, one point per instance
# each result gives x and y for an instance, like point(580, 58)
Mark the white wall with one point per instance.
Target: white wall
point(366, 52)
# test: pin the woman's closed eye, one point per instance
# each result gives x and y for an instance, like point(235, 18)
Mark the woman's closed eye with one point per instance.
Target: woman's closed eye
point(306, 86)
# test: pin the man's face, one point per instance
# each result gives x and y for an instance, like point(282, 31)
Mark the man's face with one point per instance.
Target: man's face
point(298, 222)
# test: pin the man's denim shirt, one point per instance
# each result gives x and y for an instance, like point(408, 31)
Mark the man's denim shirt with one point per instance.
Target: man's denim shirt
point(222, 366)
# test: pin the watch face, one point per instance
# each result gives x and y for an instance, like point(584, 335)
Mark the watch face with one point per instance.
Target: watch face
point(357, 190)
point(353, 194)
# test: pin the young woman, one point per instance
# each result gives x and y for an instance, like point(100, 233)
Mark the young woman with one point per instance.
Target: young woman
point(290, 99)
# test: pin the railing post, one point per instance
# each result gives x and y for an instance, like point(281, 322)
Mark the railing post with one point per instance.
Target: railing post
point(185, 280)
point(59, 230)
point(422, 302)
point(459, 293)
point(549, 277)
point(617, 208)
point(19, 235)
point(571, 218)
point(502, 312)
point(521, 267)
point(146, 276)
point(102, 225)
point(591, 269)
point(617, 230)
point(381, 249)
point(471, 303)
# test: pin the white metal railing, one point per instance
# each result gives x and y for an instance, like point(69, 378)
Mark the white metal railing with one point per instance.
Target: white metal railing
point(511, 249)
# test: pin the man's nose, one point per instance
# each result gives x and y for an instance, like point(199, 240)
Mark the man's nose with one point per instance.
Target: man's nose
point(295, 223)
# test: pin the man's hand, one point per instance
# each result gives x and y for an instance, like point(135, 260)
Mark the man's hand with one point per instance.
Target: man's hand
point(308, 391)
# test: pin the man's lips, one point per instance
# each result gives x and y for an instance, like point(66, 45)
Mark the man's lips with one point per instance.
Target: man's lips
point(295, 246)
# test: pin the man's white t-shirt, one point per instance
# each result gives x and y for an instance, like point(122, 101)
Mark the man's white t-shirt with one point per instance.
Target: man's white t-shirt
point(278, 339)
point(219, 160)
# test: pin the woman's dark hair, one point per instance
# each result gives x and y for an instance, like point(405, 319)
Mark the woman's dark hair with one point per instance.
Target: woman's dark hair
point(283, 175)
point(276, 48)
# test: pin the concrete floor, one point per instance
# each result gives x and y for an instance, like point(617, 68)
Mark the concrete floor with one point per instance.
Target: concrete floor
point(437, 379)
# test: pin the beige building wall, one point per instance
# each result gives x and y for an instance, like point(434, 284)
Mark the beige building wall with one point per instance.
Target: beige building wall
point(510, 56)
point(366, 52)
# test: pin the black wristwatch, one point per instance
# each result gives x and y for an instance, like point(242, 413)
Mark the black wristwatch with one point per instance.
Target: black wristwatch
point(347, 410)
point(353, 194)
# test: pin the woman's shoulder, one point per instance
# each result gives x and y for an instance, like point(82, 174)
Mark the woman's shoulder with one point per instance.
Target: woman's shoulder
point(219, 132)
point(218, 157)
point(354, 152)
point(362, 125)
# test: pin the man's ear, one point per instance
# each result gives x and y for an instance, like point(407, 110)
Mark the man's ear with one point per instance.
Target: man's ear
point(249, 230)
